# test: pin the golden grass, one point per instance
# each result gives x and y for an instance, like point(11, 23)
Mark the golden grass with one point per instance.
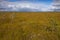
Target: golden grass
point(29, 25)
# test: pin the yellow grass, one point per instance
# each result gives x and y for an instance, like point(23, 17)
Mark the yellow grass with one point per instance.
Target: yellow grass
point(29, 25)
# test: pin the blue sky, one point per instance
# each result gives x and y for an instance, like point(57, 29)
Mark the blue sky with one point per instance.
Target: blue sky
point(25, 5)
point(43, 1)
point(28, 5)
point(32, 0)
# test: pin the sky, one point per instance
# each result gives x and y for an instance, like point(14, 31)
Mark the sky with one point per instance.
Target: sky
point(31, 0)
point(26, 5)
point(44, 1)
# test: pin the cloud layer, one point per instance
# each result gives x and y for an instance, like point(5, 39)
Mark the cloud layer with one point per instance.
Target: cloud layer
point(24, 6)
point(56, 5)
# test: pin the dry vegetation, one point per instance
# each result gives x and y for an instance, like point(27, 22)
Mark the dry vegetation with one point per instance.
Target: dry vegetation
point(29, 26)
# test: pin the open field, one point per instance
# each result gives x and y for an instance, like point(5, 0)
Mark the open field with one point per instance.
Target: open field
point(29, 25)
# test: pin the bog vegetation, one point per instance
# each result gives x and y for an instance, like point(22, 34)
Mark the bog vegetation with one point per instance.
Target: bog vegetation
point(29, 26)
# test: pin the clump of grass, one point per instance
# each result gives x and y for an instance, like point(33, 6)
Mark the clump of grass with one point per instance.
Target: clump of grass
point(19, 26)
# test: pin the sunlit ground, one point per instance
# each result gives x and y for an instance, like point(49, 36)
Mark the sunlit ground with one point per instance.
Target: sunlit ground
point(29, 25)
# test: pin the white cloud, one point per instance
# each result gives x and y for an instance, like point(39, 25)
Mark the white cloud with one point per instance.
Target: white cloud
point(55, 6)
point(24, 6)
